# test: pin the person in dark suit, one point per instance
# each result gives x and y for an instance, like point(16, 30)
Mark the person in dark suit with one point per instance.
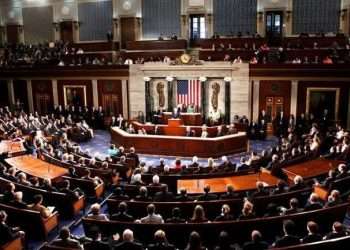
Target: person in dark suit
point(224, 242)
point(313, 235)
point(289, 238)
point(18, 202)
point(256, 242)
point(9, 194)
point(280, 125)
point(160, 242)
point(164, 195)
point(73, 195)
point(293, 207)
point(176, 216)
point(313, 203)
point(65, 240)
point(96, 243)
point(338, 231)
point(225, 214)
point(207, 196)
point(230, 193)
point(260, 190)
point(128, 242)
point(8, 233)
point(122, 214)
point(183, 196)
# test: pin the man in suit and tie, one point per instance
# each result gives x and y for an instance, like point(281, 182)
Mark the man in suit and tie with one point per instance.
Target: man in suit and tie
point(128, 242)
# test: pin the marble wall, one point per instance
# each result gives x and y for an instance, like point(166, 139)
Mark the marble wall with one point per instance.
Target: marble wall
point(239, 73)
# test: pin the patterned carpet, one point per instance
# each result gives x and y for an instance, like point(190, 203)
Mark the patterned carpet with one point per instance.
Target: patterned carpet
point(100, 143)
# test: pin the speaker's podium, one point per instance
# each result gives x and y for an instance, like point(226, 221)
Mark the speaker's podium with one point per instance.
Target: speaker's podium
point(175, 127)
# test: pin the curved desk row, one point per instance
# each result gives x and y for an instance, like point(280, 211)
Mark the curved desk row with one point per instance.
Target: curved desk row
point(181, 145)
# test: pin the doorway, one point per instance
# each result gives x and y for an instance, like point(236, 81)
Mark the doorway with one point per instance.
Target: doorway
point(274, 105)
point(197, 27)
point(274, 27)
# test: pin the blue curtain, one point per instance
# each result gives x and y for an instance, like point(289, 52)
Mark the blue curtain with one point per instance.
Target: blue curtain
point(313, 16)
point(96, 20)
point(37, 24)
point(160, 17)
point(233, 16)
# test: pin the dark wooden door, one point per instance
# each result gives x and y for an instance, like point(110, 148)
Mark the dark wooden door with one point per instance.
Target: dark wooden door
point(274, 27)
point(66, 29)
point(12, 32)
point(128, 30)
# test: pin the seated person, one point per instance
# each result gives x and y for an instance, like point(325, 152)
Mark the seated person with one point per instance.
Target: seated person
point(293, 207)
point(256, 242)
point(118, 194)
point(289, 238)
point(152, 217)
point(128, 242)
point(8, 233)
point(313, 235)
point(260, 190)
point(224, 242)
point(313, 203)
point(37, 206)
point(96, 242)
point(122, 214)
point(65, 240)
point(176, 216)
point(164, 195)
point(207, 196)
point(9, 194)
point(247, 211)
point(338, 231)
point(225, 214)
point(18, 202)
point(183, 196)
point(198, 215)
point(230, 193)
point(160, 242)
point(73, 194)
point(143, 195)
point(22, 179)
point(95, 213)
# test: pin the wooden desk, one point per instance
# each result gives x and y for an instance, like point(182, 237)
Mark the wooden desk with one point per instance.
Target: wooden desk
point(14, 148)
point(240, 183)
point(36, 167)
point(311, 169)
point(180, 145)
point(189, 119)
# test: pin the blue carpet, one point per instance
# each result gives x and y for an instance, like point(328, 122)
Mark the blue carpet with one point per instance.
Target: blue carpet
point(100, 144)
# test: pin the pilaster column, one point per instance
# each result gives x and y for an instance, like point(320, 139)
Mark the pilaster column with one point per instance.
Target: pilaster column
point(30, 96)
point(55, 93)
point(255, 104)
point(227, 99)
point(11, 92)
point(148, 98)
point(294, 98)
point(94, 93)
point(125, 99)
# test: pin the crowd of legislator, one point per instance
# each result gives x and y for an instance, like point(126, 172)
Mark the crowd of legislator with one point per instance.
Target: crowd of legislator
point(300, 140)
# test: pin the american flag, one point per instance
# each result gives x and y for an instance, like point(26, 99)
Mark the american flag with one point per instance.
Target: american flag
point(188, 92)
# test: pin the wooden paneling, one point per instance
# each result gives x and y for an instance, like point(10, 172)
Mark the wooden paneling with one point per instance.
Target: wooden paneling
point(110, 96)
point(86, 83)
point(12, 33)
point(129, 29)
point(96, 46)
point(156, 45)
point(20, 91)
point(181, 145)
point(343, 98)
point(275, 89)
point(68, 71)
point(66, 29)
point(42, 96)
point(4, 97)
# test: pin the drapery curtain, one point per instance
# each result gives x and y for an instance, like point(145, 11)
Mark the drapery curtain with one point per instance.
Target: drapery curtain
point(233, 16)
point(96, 19)
point(313, 16)
point(37, 24)
point(160, 17)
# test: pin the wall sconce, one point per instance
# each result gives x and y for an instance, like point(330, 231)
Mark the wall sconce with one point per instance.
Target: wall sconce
point(147, 79)
point(228, 79)
point(169, 78)
point(202, 79)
